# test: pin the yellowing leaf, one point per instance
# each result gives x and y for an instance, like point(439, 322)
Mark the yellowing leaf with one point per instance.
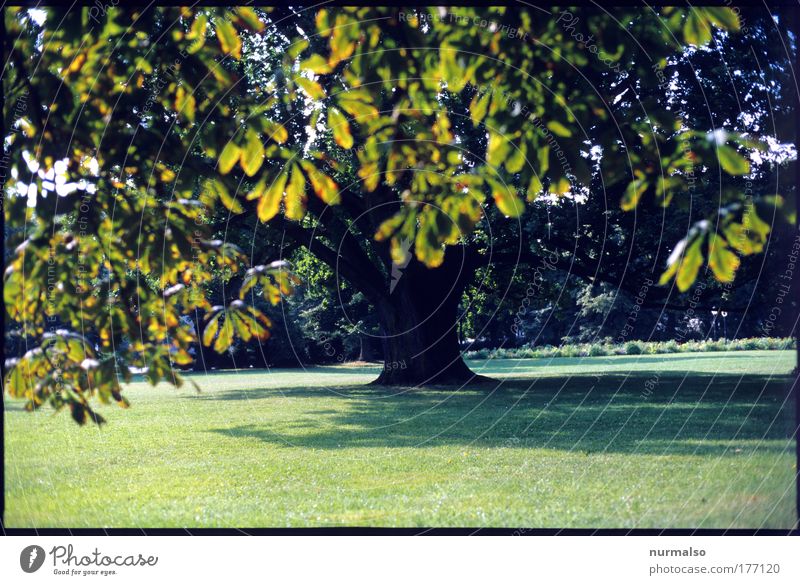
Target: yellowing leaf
point(560, 187)
point(324, 187)
point(225, 337)
point(270, 203)
point(258, 190)
point(316, 64)
point(340, 128)
point(690, 265)
point(275, 131)
point(722, 261)
point(250, 18)
point(197, 33)
point(312, 88)
point(633, 193)
point(506, 198)
point(295, 198)
point(342, 46)
point(211, 330)
point(479, 106)
point(228, 157)
point(185, 103)
point(497, 149)
point(252, 156)
point(323, 23)
point(218, 190)
point(360, 110)
point(229, 40)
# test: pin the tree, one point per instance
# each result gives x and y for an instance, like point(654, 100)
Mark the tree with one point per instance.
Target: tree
point(138, 136)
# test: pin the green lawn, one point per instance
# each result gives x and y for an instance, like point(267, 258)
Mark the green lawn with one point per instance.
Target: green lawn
point(571, 442)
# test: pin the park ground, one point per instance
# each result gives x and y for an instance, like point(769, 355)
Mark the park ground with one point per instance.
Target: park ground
point(669, 441)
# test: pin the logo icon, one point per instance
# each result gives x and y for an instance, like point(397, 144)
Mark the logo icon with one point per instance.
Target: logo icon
point(31, 558)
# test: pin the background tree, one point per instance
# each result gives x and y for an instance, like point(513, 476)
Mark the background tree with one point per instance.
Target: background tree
point(139, 135)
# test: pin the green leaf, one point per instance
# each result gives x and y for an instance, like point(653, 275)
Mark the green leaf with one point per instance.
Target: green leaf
point(228, 157)
point(297, 47)
point(218, 190)
point(516, 160)
point(535, 188)
point(316, 64)
point(252, 156)
point(733, 162)
point(229, 40)
point(340, 128)
point(559, 129)
point(695, 29)
point(724, 18)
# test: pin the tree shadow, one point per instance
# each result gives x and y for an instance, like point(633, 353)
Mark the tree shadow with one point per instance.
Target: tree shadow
point(649, 413)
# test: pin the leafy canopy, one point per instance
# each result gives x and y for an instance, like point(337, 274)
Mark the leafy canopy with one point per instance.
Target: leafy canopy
point(133, 133)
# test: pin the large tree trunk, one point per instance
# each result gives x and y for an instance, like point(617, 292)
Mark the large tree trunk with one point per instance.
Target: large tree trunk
point(419, 320)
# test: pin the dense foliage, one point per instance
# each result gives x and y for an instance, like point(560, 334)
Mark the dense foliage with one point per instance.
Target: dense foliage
point(144, 143)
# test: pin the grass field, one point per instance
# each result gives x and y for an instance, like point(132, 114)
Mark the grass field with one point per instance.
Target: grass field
point(571, 442)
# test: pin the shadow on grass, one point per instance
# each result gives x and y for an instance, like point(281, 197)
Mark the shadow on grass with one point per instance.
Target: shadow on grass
point(702, 414)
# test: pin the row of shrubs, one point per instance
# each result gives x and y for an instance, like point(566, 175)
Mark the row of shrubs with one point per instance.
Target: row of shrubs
point(606, 348)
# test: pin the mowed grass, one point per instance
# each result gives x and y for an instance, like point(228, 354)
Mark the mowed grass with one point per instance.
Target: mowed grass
point(572, 442)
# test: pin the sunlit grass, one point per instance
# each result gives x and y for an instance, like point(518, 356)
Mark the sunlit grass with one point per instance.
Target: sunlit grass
point(570, 442)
